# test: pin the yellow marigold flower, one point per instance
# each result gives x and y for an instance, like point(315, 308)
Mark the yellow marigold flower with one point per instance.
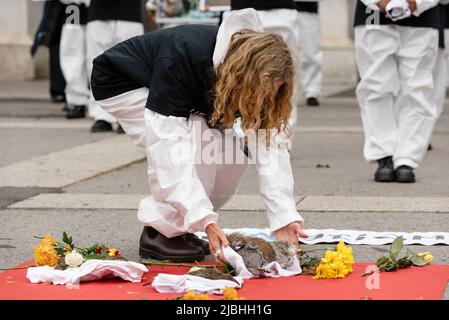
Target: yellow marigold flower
point(190, 295)
point(48, 240)
point(231, 294)
point(426, 256)
point(112, 251)
point(45, 255)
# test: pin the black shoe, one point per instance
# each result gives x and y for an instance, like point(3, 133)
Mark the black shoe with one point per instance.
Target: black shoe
point(313, 102)
point(120, 130)
point(405, 174)
point(430, 148)
point(154, 245)
point(77, 112)
point(193, 239)
point(385, 171)
point(101, 126)
point(65, 108)
point(58, 98)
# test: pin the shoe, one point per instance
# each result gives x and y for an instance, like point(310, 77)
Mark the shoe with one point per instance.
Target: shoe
point(385, 171)
point(405, 174)
point(120, 130)
point(193, 239)
point(65, 108)
point(313, 102)
point(101, 126)
point(77, 112)
point(154, 245)
point(58, 98)
point(430, 148)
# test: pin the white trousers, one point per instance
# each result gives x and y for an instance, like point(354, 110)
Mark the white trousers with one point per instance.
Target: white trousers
point(311, 56)
point(396, 91)
point(73, 57)
point(441, 74)
point(184, 197)
point(101, 36)
point(285, 23)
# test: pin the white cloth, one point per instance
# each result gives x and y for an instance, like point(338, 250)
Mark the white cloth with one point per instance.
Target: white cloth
point(183, 283)
point(168, 283)
point(101, 36)
point(90, 270)
point(272, 270)
point(357, 237)
point(73, 57)
point(421, 5)
point(396, 91)
point(398, 10)
point(311, 56)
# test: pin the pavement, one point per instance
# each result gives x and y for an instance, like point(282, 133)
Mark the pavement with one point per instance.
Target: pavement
point(56, 176)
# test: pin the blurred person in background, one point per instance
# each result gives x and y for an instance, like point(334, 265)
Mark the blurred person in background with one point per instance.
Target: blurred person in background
point(396, 57)
point(109, 22)
point(74, 58)
point(49, 34)
point(311, 56)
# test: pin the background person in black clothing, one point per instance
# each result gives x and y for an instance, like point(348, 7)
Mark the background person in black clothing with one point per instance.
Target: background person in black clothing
point(178, 93)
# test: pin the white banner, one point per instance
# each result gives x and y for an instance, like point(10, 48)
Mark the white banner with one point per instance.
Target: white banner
point(317, 236)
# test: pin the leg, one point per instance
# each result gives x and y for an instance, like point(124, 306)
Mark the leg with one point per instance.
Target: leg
point(73, 64)
point(440, 79)
point(57, 81)
point(125, 30)
point(99, 35)
point(311, 54)
point(415, 108)
point(375, 56)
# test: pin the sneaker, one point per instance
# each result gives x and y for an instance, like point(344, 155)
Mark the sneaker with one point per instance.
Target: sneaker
point(77, 112)
point(313, 102)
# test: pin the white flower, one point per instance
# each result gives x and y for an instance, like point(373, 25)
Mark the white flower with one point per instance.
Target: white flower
point(73, 259)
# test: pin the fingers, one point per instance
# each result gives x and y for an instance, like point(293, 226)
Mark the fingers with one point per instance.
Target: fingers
point(217, 239)
point(300, 233)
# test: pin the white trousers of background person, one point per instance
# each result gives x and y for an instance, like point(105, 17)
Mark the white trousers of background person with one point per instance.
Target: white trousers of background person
point(396, 91)
point(101, 36)
point(185, 194)
point(441, 74)
point(311, 56)
point(73, 57)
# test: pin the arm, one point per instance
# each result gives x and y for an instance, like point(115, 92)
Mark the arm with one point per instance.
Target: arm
point(276, 188)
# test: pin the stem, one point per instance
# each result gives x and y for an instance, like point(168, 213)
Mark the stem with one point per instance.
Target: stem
point(17, 268)
point(171, 264)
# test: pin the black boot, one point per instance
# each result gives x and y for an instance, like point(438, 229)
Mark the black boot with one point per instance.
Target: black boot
point(120, 130)
point(190, 237)
point(405, 174)
point(77, 112)
point(154, 245)
point(385, 171)
point(101, 126)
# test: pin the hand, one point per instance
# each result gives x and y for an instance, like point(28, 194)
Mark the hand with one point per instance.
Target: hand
point(382, 4)
point(217, 238)
point(412, 5)
point(290, 233)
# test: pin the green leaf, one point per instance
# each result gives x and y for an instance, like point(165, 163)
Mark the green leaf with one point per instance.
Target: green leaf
point(383, 261)
point(418, 261)
point(396, 247)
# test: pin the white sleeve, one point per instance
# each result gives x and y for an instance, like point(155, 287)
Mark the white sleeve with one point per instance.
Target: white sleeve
point(276, 183)
point(77, 2)
point(424, 5)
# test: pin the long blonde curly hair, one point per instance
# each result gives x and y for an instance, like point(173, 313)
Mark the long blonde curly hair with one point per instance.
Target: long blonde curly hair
point(245, 83)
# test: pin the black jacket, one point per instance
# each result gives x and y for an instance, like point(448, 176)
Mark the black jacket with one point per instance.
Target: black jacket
point(175, 64)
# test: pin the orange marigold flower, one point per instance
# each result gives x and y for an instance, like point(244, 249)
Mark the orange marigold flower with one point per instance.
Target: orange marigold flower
point(231, 294)
point(194, 296)
point(45, 255)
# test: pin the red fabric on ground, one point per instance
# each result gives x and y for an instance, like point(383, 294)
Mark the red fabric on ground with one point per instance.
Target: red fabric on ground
point(426, 283)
